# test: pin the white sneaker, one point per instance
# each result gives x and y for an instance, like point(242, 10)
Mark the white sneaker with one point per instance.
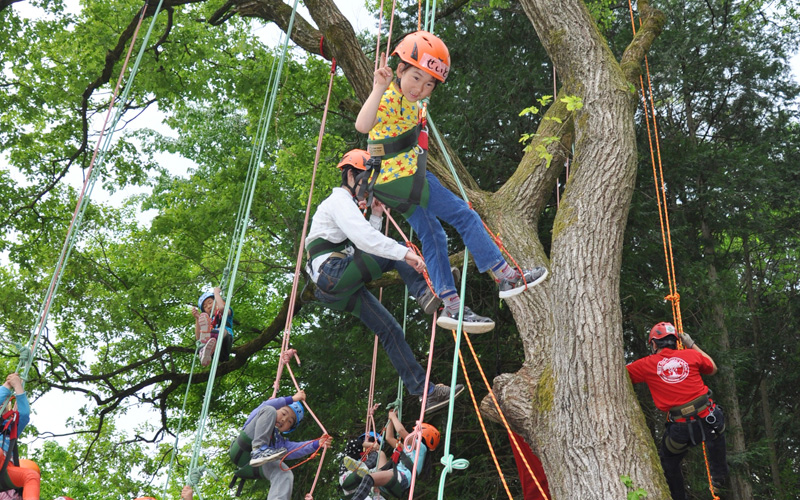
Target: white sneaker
point(207, 352)
point(532, 277)
point(472, 323)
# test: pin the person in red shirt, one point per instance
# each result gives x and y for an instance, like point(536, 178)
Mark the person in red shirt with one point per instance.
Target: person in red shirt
point(674, 379)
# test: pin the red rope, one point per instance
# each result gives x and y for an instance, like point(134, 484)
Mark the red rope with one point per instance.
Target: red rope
point(296, 280)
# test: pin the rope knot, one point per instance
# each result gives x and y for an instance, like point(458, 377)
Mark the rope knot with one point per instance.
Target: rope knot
point(25, 354)
point(450, 463)
point(287, 356)
point(674, 297)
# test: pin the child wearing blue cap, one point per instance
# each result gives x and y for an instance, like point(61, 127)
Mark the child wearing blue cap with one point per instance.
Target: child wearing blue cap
point(207, 324)
point(262, 436)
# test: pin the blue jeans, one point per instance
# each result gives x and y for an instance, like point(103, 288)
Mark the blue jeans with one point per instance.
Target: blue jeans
point(444, 205)
point(377, 318)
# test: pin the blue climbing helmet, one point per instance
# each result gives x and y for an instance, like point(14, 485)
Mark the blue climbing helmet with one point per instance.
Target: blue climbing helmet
point(373, 437)
point(207, 295)
point(299, 413)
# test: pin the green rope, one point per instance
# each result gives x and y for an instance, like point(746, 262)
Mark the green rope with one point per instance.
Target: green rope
point(240, 224)
point(74, 229)
point(450, 463)
point(180, 421)
point(250, 194)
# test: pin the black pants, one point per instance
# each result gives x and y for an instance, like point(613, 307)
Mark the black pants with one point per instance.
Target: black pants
point(680, 436)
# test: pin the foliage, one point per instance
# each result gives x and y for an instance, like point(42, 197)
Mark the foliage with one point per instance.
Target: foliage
point(121, 337)
point(635, 493)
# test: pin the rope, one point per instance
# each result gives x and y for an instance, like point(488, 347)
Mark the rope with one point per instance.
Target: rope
point(174, 451)
point(293, 297)
point(418, 427)
point(483, 427)
point(247, 201)
point(500, 412)
point(83, 200)
point(661, 197)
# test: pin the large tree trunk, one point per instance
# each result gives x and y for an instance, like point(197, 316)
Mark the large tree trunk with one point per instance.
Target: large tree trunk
point(572, 398)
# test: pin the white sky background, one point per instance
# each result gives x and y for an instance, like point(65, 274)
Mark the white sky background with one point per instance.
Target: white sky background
point(50, 410)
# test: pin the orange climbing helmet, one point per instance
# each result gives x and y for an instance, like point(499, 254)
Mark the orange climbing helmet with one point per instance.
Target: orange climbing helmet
point(356, 158)
point(430, 436)
point(425, 51)
point(662, 330)
point(29, 464)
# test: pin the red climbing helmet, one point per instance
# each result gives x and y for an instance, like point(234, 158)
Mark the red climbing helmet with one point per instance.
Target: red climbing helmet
point(430, 436)
point(662, 330)
point(356, 158)
point(425, 51)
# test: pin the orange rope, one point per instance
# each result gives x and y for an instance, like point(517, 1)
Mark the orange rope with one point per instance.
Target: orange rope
point(312, 457)
point(483, 427)
point(663, 212)
point(500, 412)
point(503, 249)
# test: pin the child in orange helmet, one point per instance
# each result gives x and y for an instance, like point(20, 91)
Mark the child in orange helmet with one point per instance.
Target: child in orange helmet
point(391, 117)
point(346, 251)
point(394, 473)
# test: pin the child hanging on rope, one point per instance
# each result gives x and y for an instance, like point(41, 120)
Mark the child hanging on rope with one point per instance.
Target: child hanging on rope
point(391, 116)
point(360, 458)
point(16, 415)
point(207, 325)
point(345, 251)
point(394, 474)
point(673, 377)
point(261, 444)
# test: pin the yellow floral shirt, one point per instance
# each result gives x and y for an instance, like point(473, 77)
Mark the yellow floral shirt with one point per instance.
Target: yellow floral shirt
point(396, 115)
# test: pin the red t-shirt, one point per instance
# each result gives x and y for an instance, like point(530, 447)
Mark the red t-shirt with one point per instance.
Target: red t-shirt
point(673, 377)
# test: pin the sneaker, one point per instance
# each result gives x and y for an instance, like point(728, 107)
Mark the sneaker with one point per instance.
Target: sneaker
point(440, 397)
point(509, 288)
point(428, 301)
point(207, 352)
point(472, 323)
point(263, 455)
point(356, 466)
point(203, 326)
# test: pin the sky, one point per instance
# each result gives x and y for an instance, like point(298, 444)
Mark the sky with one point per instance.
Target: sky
point(50, 409)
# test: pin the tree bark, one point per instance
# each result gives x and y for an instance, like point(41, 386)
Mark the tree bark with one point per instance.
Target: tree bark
point(572, 399)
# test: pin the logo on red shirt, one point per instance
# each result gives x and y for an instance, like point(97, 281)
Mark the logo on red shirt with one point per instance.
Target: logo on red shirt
point(672, 370)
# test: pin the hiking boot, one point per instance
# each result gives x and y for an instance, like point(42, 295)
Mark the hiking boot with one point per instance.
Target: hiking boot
point(472, 323)
point(428, 301)
point(356, 466)
point(207, 352)
point(266, 454)
point(440, 397)
point(509, 288)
